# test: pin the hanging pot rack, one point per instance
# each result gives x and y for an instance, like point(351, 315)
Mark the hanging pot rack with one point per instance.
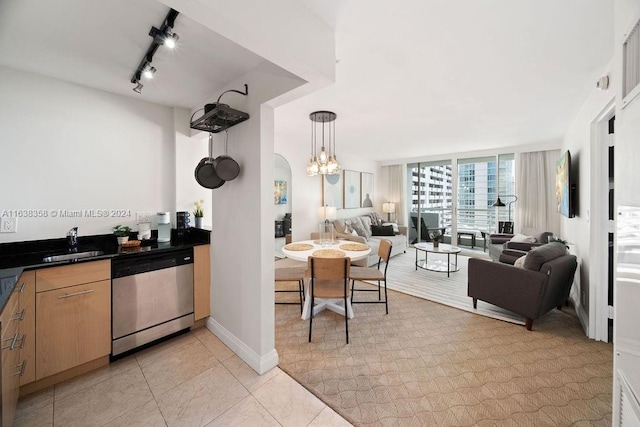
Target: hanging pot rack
point(218, 117)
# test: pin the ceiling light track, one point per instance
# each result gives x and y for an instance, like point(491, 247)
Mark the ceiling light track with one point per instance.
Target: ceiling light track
point(162, 36)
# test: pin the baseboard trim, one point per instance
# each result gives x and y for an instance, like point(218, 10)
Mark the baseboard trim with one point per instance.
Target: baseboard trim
point(260, 364)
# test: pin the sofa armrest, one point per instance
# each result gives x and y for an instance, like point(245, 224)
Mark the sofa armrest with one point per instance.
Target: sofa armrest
point(520, 246)
point(506, 286)
point(500, 238)
point(359, 239)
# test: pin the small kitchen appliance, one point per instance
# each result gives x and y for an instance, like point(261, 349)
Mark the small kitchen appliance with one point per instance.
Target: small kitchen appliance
point(164, 227)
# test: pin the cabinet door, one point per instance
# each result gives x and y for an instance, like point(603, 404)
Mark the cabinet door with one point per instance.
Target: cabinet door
point(28, 326)
point(74, 326)
point(10, 355)
point(201, 282)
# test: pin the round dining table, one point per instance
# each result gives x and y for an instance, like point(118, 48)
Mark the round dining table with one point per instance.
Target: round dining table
point(302, 250)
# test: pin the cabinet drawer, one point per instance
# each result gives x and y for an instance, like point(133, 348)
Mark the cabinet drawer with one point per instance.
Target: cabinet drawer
point(69, 275)
point(73, 327)
point(10, 317)
point(28, 325)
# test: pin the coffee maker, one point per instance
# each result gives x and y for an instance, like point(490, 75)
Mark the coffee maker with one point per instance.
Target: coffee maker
point(182, 223)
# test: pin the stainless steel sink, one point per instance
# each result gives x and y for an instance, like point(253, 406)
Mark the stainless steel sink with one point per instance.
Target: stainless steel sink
point(76, 255)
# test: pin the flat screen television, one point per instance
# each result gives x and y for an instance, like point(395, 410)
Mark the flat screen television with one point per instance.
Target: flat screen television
point(565, 188)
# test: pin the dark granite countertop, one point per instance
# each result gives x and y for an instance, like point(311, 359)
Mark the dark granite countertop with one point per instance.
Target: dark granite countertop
point(17, 257)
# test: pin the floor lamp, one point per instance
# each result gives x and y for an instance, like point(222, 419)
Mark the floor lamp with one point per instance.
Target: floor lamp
point(498, 203)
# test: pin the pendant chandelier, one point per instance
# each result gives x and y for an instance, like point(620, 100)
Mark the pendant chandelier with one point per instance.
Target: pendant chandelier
point(323, 162)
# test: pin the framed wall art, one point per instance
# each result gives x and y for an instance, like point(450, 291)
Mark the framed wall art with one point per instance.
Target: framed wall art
point(366, 190)
point(280, 192)
point(332, 190)
point(351, 189)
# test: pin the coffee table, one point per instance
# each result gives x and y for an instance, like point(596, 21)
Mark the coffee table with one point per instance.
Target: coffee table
point(438, 265)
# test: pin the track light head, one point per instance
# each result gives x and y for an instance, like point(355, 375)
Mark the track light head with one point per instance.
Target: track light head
point(148, 71)
point(170, 39)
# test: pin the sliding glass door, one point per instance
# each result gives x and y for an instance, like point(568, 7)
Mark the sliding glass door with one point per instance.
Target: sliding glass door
point(474, 184)
point(431, 198)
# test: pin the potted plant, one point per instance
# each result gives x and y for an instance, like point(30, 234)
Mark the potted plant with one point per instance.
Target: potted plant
point(198, 212)
point(122, 233)
point(435, 236)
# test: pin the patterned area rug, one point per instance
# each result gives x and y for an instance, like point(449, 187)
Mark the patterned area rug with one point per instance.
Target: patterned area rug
point(428, 364)
point(437, 287)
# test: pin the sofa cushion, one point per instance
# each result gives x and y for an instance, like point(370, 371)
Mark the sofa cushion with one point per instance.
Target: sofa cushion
point(382, 230)
point(540, 236)
point(538, 256)
point(521, 238)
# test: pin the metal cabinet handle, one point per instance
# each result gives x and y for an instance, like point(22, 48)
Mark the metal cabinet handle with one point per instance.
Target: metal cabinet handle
point(21, 370)
point(13, 342)
point(21, 289)
point(24, 337)
point(19, 316)
point(76, 294)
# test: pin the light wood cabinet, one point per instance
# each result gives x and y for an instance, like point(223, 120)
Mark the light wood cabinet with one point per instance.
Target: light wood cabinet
point(201, 282)
point(73, 318)
point(10, 354)
point(27, 305)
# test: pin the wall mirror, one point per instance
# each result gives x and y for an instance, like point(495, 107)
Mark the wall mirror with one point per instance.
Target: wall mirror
point(282, 202)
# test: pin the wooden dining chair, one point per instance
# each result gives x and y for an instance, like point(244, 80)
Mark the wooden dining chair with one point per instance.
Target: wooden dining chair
point(291, 274)
point(373, 273)
point(329, 279)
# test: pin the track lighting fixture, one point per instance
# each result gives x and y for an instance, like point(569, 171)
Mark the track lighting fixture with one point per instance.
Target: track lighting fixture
point(161, 36)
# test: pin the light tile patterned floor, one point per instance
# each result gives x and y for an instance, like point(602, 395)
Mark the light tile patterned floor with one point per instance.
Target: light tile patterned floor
point(191, 380)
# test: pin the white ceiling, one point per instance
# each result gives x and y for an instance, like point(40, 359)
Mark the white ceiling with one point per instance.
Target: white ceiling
point(413, 78)
point(99, 44)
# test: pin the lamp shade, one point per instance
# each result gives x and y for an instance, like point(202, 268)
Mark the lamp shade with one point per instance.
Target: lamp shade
point(388, 207)
point(498, 203)
point(327, 213)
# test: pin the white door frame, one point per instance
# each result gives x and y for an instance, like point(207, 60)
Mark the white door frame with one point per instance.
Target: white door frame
point(598, 327)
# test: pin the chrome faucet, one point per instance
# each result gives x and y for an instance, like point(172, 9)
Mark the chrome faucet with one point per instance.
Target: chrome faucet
point(72, 239)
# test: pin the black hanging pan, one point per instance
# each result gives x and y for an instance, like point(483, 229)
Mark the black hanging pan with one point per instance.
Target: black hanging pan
point(226, 168)
point(205, 173)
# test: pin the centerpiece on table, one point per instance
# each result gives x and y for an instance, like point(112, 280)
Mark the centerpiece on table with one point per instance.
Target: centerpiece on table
point(436, 237)
point(198, 213)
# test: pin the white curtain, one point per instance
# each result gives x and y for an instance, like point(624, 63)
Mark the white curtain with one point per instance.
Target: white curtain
point(535, 188)
point(394, 186)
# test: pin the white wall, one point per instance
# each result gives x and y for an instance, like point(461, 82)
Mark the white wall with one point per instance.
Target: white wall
point(242, 300)
point(66, 146)
point(577, 230)
point(627, 157)
point(188, 152)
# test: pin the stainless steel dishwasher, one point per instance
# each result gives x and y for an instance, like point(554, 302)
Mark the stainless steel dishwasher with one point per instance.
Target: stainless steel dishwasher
point(152, 297)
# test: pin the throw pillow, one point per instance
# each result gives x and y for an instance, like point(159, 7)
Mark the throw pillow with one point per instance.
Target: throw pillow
point(366, 224)
point(538, 256)
point(341, 226)
point(394, 225)
point(382, 230)
point(520, 262)
point(521, 238)
point(359, 228)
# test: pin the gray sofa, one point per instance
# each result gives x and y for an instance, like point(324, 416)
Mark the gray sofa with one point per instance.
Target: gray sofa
point(542, 283)
point(362, 225)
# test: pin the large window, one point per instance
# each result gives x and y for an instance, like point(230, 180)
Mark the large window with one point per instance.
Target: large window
point(480, 181)
point(431, 199)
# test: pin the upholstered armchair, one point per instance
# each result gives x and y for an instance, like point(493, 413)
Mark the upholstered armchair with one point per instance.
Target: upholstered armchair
point(503, 249)
point(542, 283)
